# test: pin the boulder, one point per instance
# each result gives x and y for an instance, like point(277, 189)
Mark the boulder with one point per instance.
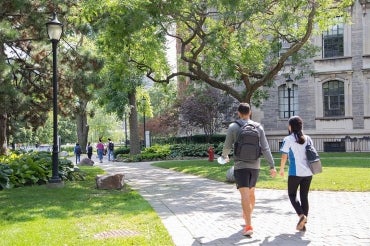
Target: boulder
point(63, 154)
point(86, 162)
point(110, 181)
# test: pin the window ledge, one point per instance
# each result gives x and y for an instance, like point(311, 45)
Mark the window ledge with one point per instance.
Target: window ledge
point(334, 58)
point(335, 118)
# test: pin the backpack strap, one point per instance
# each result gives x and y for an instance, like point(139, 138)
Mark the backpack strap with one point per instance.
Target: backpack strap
point(241, 123)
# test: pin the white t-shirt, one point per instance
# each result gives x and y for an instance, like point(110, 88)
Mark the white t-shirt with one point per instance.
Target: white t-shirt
point(298, 165)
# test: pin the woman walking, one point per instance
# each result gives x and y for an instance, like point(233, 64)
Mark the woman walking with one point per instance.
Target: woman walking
point(89, 150)
point(300, 175)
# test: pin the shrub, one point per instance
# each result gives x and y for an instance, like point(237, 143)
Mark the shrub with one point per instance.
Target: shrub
point(121, 150)
point(191, 150)
point(162, 152)
point(33, 168)
point(194, 139)
point(5, 172)
point(155, 152)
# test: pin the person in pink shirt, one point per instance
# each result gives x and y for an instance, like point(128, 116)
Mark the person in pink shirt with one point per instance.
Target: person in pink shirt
point(100, 150)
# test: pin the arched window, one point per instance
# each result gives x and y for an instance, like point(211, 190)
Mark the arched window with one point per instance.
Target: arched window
point(333, 98)
point(284, 101)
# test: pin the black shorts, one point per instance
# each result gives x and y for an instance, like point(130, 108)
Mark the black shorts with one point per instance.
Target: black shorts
point(246, 177)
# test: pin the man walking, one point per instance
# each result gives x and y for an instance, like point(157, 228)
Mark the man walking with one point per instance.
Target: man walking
point(110, 150)
point(247, 159)
point(77, 150)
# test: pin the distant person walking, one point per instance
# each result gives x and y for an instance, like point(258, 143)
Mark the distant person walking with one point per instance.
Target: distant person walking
point(300, 175)
point(89, 150)
point(100, 150)
point(77, 150)
point(110, 150)
point(246, 172)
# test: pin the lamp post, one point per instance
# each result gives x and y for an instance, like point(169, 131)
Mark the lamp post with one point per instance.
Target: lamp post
point(289, 84)
point(55, 30)
point(143, 100)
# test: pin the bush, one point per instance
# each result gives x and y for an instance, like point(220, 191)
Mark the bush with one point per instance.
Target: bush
point(33, 168)
point(5, 173)
point(195, 139)
point(190, 150)
point(121, 150)
point(155, 152)
point(163, 152)
point(68, 149)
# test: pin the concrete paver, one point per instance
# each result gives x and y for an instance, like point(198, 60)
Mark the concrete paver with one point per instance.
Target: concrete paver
point(198, 211)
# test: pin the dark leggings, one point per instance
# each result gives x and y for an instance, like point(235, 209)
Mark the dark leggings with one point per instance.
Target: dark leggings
point(304, 186)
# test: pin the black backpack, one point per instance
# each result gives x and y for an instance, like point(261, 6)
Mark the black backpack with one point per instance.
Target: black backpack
point(247, 145)
point(111, 146)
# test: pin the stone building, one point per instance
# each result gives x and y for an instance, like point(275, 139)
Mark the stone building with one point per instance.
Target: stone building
point(334, 97)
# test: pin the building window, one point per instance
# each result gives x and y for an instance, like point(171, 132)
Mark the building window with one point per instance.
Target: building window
point(283, 101)
point(333, 41)
point(285, 46)
point(333, 93)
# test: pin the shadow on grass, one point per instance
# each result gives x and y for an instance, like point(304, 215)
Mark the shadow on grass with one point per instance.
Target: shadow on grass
point(75, 199)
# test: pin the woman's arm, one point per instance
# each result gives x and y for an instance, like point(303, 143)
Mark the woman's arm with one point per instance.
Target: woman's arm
point(284, 158)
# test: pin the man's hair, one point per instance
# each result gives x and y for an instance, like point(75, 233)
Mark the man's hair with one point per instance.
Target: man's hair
point(244, 108)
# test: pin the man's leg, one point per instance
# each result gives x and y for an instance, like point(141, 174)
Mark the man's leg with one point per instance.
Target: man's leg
point(252, 198)
point(246, 205)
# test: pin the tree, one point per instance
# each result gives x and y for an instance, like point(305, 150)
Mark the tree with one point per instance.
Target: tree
point(119, 96)
point(234, 46)
point(83, 74)
point(24, 77)
point(27, 66)
point(165, 121)
point(122, 81)
point(205, 108)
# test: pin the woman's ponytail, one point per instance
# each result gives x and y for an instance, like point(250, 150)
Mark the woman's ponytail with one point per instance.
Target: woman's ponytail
point(296, 125)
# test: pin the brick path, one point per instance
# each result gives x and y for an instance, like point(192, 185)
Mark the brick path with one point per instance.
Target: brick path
point(198, 211)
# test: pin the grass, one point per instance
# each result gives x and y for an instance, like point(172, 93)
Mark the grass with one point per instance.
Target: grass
point(341, 172)
point(78, 214)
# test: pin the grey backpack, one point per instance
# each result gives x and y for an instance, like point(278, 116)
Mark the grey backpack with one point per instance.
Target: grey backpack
point(247, 146)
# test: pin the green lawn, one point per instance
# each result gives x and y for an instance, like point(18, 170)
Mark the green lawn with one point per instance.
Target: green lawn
point(341, 172)
point(78, 214)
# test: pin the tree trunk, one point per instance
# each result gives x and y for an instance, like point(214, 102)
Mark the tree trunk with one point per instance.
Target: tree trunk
point(82, 127)
point(3, 141)
point(134, 130)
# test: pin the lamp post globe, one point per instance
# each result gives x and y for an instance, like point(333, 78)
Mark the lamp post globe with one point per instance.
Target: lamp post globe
point(54, 28)
point(289, 85)
point(55, 31)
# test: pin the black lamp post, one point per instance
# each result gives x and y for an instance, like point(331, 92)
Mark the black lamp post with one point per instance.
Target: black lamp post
point(289, 84)
point(55, 31)
point(143, 100)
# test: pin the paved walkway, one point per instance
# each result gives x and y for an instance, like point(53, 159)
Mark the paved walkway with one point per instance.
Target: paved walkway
point(198, 211)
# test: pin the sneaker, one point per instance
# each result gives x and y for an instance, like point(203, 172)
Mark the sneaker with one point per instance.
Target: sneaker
point(301, 223)
point(248, 230)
